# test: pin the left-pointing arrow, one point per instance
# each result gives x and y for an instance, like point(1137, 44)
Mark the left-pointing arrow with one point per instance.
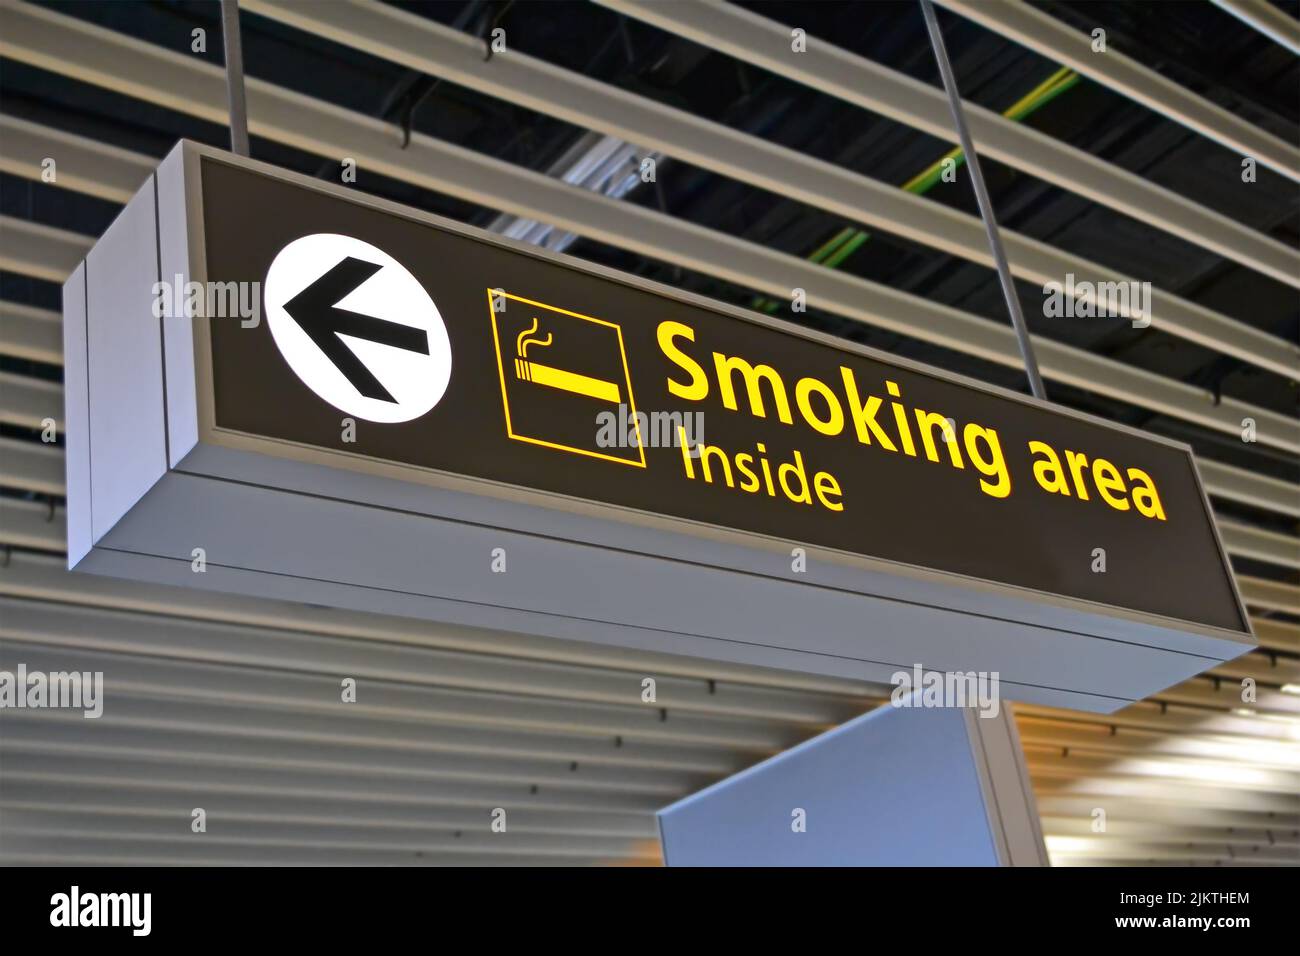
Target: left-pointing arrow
point(316, 309)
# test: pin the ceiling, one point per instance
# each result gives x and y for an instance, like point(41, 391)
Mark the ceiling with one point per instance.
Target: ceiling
point(233, 702)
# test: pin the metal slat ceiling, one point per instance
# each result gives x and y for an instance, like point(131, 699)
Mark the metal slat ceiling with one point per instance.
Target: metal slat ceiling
point(1057, 41)
point(829, 69)
point(232, 704)
point(131, 66)
point(420, 44)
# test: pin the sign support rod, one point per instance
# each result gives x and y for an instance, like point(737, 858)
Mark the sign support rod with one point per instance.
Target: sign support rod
point(985, 204)
point(234, 77)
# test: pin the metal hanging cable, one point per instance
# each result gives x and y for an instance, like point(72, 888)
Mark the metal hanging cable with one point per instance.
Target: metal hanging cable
point(234, 77)
point(985, 204)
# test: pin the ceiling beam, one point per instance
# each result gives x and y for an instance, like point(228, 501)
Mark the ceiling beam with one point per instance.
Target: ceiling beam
point(1267, 18)
point(765, 43)
point(1061, 43)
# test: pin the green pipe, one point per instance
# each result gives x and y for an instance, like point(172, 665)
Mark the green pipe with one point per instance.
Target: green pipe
point(845, 242)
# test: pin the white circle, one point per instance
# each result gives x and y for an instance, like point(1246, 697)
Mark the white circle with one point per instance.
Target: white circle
point(416, 381)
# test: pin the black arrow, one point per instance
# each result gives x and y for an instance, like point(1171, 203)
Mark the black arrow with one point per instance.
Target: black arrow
point(315, 309)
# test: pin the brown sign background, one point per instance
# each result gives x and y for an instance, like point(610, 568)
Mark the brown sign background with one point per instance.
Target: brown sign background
point(900, 508)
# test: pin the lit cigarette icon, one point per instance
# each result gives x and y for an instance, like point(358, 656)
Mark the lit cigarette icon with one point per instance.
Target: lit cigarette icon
point(559, 378)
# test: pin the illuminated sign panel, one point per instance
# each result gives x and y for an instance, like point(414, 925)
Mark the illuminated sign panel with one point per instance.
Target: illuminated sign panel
point(282, 388)
point(543, 376)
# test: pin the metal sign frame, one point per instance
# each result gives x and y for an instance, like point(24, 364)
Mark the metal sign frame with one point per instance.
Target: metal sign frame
point(1160, 650)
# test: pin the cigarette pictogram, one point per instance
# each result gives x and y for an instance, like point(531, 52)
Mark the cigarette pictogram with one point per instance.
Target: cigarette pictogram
point(583, 372)
point(553, 377)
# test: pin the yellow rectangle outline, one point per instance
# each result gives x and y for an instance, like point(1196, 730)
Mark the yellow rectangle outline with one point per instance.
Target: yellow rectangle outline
point(627, 377)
